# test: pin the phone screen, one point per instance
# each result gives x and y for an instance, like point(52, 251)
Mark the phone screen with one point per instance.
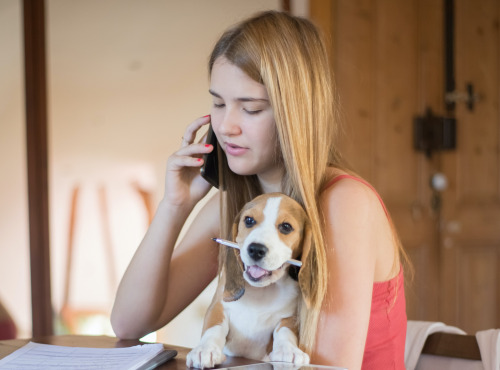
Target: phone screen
point(210, 169)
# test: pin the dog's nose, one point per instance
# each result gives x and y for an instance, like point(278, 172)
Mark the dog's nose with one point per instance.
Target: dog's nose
point(257, 251)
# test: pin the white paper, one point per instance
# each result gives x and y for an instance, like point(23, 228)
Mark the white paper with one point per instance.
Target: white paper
point(46, 356)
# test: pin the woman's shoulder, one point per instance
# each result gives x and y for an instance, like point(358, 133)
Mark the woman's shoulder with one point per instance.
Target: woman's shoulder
point(349, 192)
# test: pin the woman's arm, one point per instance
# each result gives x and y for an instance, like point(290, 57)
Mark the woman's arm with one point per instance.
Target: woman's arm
point(159, 282)
point(358, 241)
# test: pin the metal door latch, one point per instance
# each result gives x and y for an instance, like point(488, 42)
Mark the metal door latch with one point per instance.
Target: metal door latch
point(468, 97)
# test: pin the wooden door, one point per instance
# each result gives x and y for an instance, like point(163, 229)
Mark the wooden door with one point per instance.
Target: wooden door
point(388, 61)
point(470, 238)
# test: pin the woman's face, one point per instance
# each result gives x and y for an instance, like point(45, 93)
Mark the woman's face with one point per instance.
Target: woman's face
point(243, 121)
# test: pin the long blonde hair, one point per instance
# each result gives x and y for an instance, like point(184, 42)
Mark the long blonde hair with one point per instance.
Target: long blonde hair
point(288, 56)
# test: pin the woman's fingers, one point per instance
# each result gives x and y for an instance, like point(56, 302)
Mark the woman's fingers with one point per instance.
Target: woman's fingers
point(190, 156)
point(186, 161)
point(183, 182)
point(190, 133)
point(196, 150)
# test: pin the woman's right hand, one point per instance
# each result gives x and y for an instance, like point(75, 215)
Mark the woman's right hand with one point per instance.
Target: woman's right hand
point(183, 183)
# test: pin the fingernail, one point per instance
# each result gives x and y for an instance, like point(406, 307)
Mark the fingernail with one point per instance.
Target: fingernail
point(207, 145)
point(208, 115)
point(199, 159)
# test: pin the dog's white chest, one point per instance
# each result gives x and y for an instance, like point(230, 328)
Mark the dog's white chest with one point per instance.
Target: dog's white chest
point(253, 318)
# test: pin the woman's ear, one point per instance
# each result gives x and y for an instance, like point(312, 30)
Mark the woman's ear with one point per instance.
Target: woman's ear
point(234, 286)
point(307, 277)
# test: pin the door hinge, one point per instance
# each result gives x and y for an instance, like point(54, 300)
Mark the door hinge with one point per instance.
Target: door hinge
point(433, 133)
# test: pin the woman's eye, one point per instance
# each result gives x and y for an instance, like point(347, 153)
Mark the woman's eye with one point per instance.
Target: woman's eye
point(285, 228)
point(218, 105)
point(256, 111)
point(249, 222)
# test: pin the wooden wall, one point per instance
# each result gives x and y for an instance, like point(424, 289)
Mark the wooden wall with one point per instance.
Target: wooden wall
point(388, 61)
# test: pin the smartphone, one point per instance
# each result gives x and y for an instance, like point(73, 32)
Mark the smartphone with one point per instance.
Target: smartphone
point(210, 169)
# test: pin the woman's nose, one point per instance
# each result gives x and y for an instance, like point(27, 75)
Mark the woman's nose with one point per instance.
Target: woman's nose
point(230, 123)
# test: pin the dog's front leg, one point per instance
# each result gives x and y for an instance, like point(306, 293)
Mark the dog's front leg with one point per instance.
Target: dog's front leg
point(285, 345)
point(208, 352)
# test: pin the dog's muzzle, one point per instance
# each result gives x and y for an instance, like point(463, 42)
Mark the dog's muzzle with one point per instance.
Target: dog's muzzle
point(257, 251)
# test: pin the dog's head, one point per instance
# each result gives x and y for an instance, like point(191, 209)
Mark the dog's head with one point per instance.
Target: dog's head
point(270, 229)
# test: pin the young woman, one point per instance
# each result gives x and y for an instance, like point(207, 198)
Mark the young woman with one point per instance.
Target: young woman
point(274, 117)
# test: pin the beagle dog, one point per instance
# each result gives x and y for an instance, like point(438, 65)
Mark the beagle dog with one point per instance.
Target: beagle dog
point(254, 310)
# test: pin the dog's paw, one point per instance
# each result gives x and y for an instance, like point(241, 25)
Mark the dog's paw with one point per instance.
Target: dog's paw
point(205, 356)
point(289, 353)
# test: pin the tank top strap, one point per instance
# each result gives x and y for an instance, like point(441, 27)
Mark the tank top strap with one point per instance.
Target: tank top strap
point(341, 177)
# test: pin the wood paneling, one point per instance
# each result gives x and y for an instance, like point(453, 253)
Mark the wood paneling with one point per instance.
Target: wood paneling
point(389, 68)
point(470, 237)
point(382, 58)
point(322, 12)
point(478, 279)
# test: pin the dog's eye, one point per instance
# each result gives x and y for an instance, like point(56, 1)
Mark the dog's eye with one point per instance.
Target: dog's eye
point(249, 221)
point(285, 228)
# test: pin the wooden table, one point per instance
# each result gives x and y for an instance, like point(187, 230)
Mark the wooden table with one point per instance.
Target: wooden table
point(179, 362)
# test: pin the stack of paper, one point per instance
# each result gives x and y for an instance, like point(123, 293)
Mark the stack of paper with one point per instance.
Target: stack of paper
point(46, 356)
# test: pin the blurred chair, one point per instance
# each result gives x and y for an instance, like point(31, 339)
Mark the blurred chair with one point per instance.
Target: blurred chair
point(434, 345)
point(416, 335)
point(76, 320)
point(8, 329)
point(450, 351)
point(489, 345)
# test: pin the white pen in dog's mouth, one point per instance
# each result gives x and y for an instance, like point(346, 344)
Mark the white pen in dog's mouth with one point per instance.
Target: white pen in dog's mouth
point(235, 245)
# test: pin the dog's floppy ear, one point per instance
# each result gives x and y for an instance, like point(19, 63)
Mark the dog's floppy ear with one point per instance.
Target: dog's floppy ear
point(235, 283)
point(307, 276)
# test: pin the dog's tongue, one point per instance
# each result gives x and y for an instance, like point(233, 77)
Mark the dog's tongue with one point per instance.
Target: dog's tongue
point(256, 272)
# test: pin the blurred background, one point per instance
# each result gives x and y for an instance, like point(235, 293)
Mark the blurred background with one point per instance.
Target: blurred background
point(125, 77)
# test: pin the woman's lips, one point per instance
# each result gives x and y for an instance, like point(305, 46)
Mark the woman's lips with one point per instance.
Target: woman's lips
point(235, 150)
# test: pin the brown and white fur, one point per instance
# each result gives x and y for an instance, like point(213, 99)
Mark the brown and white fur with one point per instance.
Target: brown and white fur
point(254, 311)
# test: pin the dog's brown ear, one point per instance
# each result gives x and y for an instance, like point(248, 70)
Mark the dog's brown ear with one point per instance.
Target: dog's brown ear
point(307, 275)
point(235, 283)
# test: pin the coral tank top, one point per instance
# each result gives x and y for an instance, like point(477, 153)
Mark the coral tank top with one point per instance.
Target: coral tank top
point(385, 341)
